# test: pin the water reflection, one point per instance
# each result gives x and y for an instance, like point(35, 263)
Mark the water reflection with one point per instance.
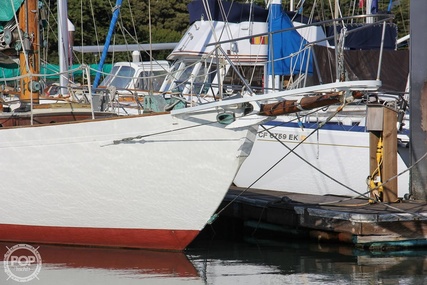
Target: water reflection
point(224, 262)
point(290, 262)
point(81, 265)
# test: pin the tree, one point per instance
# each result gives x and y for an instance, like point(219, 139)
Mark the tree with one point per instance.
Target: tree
point(169, 19)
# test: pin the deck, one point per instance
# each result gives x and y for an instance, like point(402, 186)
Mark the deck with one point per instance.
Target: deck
point(373, 226)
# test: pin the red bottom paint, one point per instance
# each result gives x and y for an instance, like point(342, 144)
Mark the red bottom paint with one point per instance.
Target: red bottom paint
point(108, 237)
point(138, 262)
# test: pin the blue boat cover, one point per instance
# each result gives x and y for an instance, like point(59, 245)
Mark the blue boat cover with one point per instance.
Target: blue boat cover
point(284, 44)
point(229, 12)
point(367, 36)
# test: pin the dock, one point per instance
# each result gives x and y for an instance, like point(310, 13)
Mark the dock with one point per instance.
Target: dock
point(366, 225)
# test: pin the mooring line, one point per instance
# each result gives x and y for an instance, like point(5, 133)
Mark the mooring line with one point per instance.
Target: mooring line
point(215, 216)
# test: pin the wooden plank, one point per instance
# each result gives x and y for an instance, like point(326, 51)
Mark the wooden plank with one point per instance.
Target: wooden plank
point(369, 225)
point(389, 168)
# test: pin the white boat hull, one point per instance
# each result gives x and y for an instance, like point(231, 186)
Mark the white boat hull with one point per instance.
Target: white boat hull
point(342, 155)
point(146, 181)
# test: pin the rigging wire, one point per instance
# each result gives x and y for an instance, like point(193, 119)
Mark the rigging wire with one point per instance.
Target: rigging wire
point(291, 150)
point(94, 25)
point(227, 29)
point(332, 203)
point(112, 7)
point(81, 28)
point(24, 51)
point(130, 139)
point(133, 22)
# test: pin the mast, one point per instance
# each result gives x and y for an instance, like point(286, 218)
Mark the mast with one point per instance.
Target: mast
point(29, 56)
point(368, 7)
point(63, 45)
point(116, 12)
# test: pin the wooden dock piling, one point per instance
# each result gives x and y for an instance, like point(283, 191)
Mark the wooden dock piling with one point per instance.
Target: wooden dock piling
point(382, 125)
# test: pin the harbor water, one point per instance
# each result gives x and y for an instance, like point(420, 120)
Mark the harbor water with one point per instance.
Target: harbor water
point(214, 260)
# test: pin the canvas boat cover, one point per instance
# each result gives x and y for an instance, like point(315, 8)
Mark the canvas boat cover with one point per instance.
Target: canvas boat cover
point(8, 10)
point(363, 65)
point(226, 12)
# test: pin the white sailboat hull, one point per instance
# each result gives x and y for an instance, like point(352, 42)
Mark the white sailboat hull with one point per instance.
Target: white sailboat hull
point(342, 155)
point(146, 181)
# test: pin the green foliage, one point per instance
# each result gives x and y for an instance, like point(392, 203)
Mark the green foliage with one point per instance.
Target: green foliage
point(401, 13)
point(91, 18)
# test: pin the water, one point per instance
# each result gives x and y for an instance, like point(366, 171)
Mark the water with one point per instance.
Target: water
point(248, 261)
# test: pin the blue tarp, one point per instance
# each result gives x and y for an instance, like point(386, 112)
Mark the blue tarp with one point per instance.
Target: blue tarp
point(281, 45)
point(8, 11)
point(51, 70)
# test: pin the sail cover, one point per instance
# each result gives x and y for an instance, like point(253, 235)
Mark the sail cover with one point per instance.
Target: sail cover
point(366, 36)
point(283, 44)
point(225, 11)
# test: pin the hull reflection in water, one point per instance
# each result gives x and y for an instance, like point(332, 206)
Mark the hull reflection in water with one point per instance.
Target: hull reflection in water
point(84, 265)
point(220, 262)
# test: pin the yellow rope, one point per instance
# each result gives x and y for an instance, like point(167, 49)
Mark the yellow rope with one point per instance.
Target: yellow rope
point(375, 180)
